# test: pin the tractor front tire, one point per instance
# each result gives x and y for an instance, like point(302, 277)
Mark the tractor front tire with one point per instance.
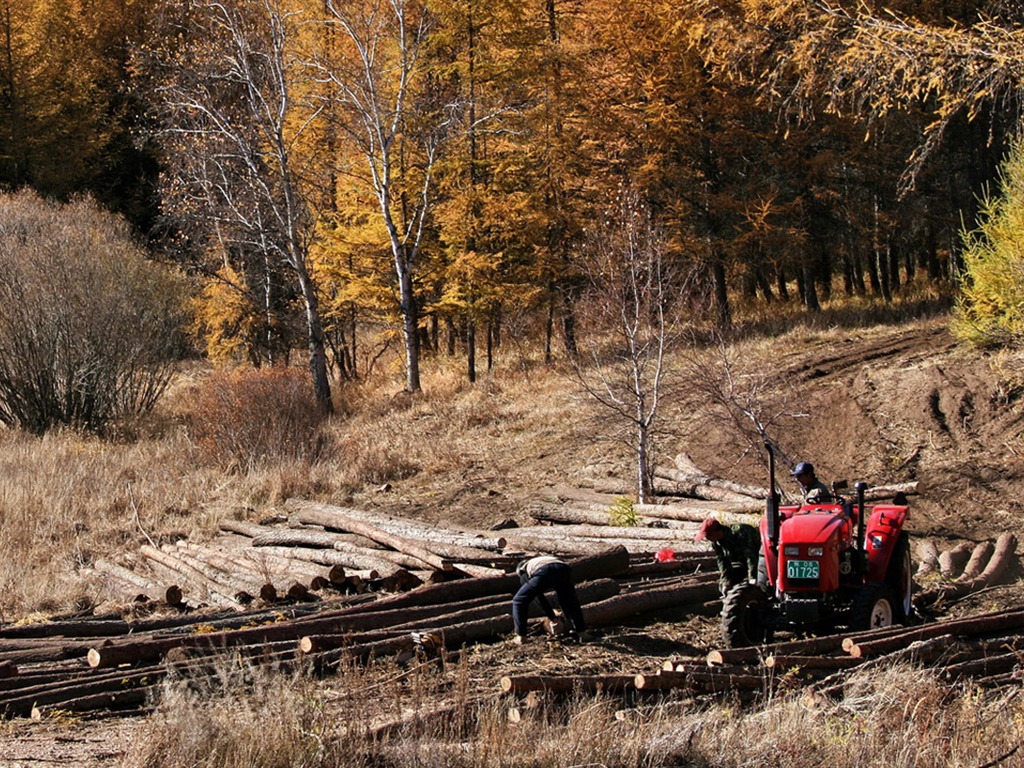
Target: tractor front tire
point(875, 607)
point(745, 616)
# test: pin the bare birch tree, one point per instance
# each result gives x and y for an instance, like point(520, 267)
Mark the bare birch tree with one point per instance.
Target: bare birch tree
point(238, 125)
point(395, 125)
point(634, 303)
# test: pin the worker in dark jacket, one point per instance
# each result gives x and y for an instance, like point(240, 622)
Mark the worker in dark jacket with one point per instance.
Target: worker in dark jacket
point(814, 491)
point(737, 548)
point(537, 576)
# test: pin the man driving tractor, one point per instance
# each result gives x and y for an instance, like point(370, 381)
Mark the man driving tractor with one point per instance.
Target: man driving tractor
point(814, 491)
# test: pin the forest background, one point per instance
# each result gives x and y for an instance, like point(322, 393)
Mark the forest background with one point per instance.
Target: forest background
point(344, 177)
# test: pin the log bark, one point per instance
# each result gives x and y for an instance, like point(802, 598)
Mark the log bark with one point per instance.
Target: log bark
point(781, 662)
point(802, 647)
point(375, 528)
point(553, 546)
point(615, 532)
point(615, 609)
point(709, 681)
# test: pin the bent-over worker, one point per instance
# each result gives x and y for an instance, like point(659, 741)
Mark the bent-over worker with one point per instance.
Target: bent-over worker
point(537, 576)
point(737, 549)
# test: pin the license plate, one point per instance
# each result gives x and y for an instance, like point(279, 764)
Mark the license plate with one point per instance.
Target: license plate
point(802, 569)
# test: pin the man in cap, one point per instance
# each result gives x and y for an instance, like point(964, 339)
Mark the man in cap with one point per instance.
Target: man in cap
point(537, 576)
point(737, 549)
point(814, 491)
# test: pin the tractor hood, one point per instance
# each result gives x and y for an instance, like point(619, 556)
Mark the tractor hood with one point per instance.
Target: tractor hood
point(813, 526)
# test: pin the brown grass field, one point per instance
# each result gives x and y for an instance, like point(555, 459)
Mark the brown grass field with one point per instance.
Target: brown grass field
point(882, 401)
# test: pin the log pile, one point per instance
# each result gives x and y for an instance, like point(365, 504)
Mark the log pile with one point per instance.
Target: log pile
point(329, 586)
point(105, 662)
point(985, 649)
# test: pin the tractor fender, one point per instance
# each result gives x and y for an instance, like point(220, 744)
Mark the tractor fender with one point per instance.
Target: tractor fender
point(882, 534)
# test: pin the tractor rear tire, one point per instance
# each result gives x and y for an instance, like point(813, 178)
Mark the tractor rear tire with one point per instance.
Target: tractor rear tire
point(745, 617)
point(874, 607)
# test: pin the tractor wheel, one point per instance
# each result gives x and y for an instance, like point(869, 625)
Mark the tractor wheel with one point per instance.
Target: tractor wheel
point(874, 607)
point(745, 616)
point(900, 577)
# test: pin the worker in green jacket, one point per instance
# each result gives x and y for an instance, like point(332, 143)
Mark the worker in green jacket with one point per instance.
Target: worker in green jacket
point(737, 548)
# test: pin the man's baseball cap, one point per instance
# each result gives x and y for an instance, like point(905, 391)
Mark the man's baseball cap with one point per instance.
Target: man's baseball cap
point(803, 468)
point(708, 526)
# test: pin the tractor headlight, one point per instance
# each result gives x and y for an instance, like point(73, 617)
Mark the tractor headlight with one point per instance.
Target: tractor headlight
point(877, 541)
point(815, 551)
point(791, 551)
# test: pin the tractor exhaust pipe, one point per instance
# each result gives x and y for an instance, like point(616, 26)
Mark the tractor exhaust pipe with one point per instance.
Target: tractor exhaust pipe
point(772, 507)
point(862, 521)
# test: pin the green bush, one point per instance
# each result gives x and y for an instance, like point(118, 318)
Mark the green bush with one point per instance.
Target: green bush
point(89, 329)
point(990, 310)
point(246, 418)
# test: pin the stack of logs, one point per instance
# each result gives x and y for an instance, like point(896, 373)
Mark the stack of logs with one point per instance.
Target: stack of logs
point(984, 648)
point(106, 662)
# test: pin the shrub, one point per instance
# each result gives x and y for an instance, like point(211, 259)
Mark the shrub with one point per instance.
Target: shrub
point(990, 311)
point(89, 329)
point(245, 418)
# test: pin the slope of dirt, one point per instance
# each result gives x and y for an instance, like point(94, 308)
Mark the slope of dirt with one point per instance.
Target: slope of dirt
point(886, 404)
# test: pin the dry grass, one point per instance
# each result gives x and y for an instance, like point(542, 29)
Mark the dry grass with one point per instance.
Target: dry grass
point(899, 717)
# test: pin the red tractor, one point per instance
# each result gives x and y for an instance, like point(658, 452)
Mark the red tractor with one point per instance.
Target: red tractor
point(824, 566)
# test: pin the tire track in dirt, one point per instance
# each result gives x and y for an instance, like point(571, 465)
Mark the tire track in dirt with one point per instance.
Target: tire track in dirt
point(915, 345)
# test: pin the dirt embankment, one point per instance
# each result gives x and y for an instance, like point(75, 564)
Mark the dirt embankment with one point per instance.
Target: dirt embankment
point(886, 404)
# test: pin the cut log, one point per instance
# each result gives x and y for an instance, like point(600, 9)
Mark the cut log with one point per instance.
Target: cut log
point(582, 684)
point(973, 626)
point(615, 609)
point(1003, 556)
point(619, 532)
point(170, 594)
point(553, 546)
point(927, 557)
point(338, 519)
point(782, 663)
point(980, 557)
point(709, 681)
point(952, 561)
point(802, 647)
point(212, 591)
point(686, 470)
